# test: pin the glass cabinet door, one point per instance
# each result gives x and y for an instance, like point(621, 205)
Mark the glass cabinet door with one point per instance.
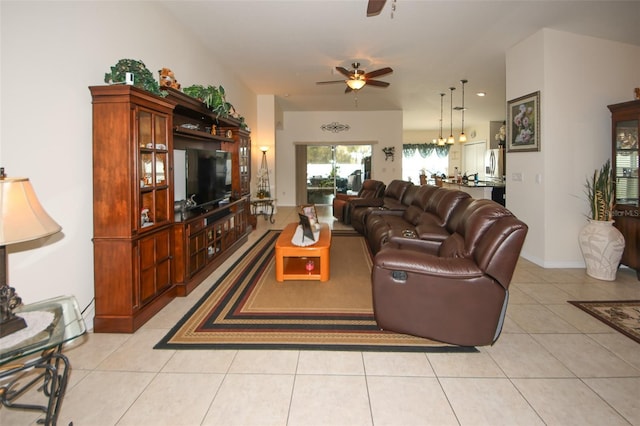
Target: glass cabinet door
point(161, 167)
point(626, 161)
point(144, 129)
point(160, 132)
point(153, 167)
point(146, 169)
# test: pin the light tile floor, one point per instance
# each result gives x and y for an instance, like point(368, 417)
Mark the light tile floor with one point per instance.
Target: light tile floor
point(553, 364)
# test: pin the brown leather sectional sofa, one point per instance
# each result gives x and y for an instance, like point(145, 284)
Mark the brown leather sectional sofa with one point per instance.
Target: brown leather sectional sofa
point(443, 264)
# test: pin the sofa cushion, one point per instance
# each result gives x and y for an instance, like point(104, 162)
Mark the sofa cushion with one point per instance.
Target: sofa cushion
point(478, 218)
point(426, 230)
point(453, 246)
point(443, 203)
point(412, 215)
point(396, 189)
point(423, 195)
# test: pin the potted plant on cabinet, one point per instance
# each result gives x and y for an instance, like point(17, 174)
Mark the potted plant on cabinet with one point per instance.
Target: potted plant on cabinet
point(213, 97)
point(142, 77)
point(601, 243)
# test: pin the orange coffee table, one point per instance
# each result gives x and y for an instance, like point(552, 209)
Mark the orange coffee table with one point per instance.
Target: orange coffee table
point(291, 260)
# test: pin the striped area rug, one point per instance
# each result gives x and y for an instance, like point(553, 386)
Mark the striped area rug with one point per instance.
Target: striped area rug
point(248, 309)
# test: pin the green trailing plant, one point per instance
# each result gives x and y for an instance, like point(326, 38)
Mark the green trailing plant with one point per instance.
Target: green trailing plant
point(213, 97)
point(600, 193)
point(142, 77)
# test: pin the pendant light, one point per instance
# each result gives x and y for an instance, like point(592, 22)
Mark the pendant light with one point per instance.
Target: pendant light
point(463, 137)
point(440, 138)
point(451, 139)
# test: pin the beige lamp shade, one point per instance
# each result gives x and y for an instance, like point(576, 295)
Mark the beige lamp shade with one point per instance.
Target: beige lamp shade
point(22, 217)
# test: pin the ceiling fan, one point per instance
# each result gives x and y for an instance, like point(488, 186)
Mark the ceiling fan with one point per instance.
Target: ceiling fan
point(375, 7)
point(357, 78)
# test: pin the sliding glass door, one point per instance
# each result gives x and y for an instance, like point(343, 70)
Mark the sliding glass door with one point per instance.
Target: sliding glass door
point(332, 169)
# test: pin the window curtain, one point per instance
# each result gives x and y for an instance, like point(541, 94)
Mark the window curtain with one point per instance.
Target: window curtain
point(425, 150)
point(301, 174)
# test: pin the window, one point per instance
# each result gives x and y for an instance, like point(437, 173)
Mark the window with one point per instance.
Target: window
point(331, 169)
point(428, 158)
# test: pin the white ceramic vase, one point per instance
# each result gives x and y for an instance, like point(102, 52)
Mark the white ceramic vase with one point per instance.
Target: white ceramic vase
point(602, 246)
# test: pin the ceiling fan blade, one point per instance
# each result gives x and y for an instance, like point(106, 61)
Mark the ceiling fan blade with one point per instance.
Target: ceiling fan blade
point(378, 83)
point(375, 7)
point(378, 73)
point(344, 71)
point(330, 82)
point(348, 89)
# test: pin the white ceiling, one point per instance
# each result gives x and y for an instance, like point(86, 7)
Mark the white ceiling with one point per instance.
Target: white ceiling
point(284, 47)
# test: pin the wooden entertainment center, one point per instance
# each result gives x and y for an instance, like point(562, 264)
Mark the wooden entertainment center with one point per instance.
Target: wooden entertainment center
point(146, 253)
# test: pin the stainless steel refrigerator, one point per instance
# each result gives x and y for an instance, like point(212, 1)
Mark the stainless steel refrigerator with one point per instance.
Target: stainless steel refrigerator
point(494, 164)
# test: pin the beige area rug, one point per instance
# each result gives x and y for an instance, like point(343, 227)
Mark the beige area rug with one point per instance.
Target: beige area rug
point(248, 309)
point(622, 315)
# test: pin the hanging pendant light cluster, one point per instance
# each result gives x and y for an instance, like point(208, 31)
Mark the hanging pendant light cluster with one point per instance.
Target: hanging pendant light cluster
point(451, 140)
point(441, 140)
point(463, 137)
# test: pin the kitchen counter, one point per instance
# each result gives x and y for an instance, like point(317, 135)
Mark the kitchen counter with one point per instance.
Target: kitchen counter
point(472, 184)
point(490, 190)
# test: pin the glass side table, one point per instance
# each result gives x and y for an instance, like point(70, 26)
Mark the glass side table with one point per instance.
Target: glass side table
point(50, 324)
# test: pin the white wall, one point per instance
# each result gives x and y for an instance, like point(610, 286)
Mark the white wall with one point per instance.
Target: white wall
point(264, 136)
point(50, 53)
point(578, 77)
point(379, 128)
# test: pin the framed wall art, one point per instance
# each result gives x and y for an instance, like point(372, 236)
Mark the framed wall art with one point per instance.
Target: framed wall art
point(523, 123)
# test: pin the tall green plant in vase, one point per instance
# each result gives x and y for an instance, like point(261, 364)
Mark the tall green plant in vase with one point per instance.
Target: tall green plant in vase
point(600, 193)
point(601, 243)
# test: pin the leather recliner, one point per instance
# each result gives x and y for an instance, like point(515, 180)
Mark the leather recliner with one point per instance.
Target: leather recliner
point(391, 199)
point(370, 189)
point(457, 293)
point(427, 217)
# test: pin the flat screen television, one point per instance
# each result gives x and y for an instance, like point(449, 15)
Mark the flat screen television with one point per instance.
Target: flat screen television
point(208, 175)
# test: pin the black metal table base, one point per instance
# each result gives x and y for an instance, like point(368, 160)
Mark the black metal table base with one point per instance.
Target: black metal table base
point(54, 376)
point(263, 204)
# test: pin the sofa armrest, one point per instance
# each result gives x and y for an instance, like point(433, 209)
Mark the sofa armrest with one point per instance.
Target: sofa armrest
point(407, 238)
point(345, 197)
point(415, 261)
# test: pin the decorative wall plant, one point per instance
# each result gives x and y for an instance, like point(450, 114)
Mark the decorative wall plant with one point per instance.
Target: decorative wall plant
point(142, 76)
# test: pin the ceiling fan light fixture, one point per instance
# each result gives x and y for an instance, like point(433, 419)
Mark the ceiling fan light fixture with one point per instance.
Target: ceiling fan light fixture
point(356, 84)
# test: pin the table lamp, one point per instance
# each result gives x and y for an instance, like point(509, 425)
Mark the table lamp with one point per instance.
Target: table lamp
point(22, 218)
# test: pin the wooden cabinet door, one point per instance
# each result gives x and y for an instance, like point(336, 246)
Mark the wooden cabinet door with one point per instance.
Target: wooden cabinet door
point(155, 264)
point(197, 252)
